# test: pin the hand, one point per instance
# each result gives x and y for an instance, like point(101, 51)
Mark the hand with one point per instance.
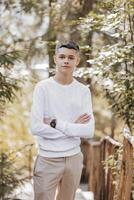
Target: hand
point(83, 119)
point(47, 120)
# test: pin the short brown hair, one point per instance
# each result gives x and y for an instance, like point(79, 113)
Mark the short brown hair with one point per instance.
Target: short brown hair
point(68, 45)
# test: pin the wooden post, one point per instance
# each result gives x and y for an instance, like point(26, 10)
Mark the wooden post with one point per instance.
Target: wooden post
point(94, 169)
point(102, 170)
point(125, 183)
point(100, 179)
point(110, 147)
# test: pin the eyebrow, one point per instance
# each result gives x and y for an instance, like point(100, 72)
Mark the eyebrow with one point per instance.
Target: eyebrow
point(67, 55)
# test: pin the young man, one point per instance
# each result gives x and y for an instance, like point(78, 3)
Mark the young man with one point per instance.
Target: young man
point(61, 114)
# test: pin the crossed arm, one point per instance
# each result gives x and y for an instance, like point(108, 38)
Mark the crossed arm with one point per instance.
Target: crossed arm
point(82, 119)
point(83, 126)
point(80, 128)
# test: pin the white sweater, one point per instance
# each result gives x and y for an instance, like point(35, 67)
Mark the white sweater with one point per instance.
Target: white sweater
point(65, 103)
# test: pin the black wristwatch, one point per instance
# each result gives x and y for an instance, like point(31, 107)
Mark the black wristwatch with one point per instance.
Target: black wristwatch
point(53, 123)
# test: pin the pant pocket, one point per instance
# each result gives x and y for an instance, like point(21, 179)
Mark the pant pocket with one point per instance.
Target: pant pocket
point(38, 166)
point(35, 163)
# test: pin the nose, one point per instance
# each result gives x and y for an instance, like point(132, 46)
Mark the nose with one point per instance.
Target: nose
point(66, 61)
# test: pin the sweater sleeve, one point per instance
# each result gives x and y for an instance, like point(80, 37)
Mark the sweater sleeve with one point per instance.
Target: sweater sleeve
point(38, 127)
point(76, 129)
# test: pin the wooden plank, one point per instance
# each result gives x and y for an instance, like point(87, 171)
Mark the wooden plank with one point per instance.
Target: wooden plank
point(125, 183)
point(102, 170)
point(110, 149)
point(94, 167)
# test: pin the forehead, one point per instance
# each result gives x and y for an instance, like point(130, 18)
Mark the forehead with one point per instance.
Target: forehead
point(66, 51)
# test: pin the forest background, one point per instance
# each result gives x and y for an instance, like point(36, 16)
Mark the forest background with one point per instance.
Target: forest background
point(29, 31)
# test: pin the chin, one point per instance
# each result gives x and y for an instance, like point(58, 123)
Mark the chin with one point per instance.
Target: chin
point(67, 72)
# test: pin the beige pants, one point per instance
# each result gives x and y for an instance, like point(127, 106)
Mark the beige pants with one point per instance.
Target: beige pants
point(62, 174)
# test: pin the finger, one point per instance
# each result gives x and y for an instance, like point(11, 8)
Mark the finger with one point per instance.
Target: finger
point(86, 117)
point(84, 114)
point(86, 120)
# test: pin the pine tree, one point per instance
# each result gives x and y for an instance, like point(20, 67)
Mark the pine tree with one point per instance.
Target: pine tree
point(113, 60)
point(9, 174)
point(8, 83)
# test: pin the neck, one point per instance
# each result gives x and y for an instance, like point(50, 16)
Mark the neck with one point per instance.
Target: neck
point(64, 80)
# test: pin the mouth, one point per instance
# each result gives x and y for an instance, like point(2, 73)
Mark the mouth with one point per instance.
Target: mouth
point(65, 66)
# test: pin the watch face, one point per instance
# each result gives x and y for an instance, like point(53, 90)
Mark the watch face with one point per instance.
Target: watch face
point(53, 123)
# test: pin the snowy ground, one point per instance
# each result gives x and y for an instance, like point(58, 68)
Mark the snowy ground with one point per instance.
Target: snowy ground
point(26, 193)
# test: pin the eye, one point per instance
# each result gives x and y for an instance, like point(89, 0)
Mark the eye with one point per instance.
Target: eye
point(71, 58)
point(62, 57)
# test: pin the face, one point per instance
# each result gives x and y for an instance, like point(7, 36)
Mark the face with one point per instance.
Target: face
point(66, 60)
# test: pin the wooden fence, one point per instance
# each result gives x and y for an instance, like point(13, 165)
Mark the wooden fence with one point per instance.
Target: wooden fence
point(106, 184)
point(101, 180)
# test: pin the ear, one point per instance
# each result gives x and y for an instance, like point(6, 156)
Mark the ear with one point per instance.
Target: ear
point(78, 60)
point(54, 57)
